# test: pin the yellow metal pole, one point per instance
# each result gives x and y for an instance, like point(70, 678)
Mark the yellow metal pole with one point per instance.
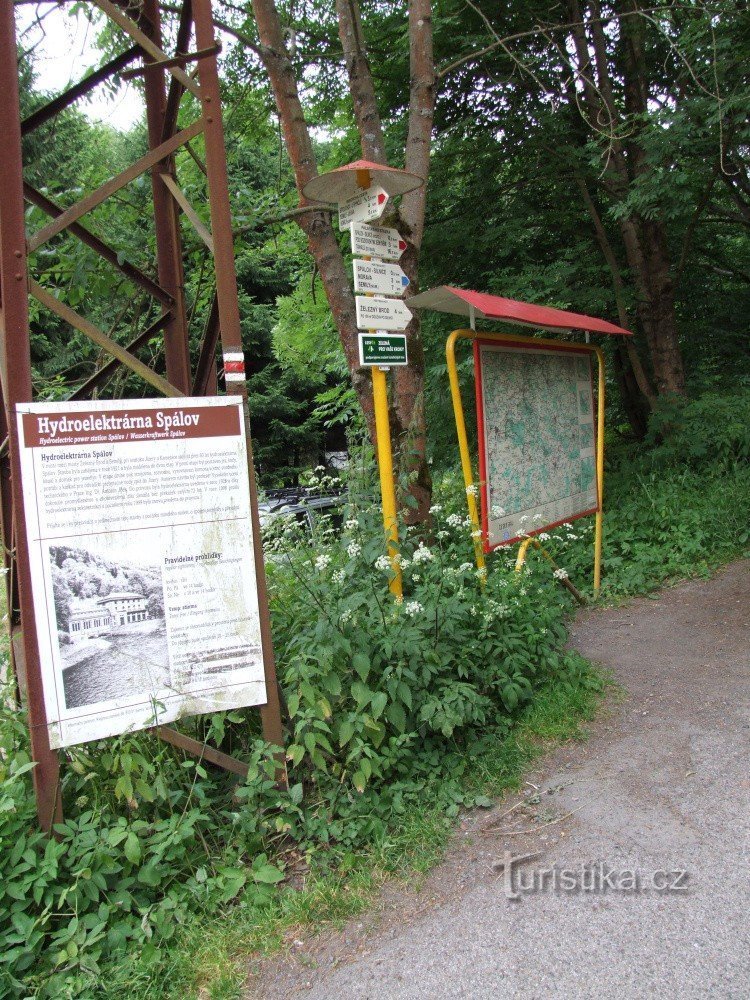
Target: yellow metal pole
point(463, 443)
point(385, 466)
point(599, 473)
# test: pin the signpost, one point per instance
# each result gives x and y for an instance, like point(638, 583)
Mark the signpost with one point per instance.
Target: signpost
point(362, 191)
point(382, 349)
point(374, 313)
point(373, 277)
point(366, 206)
point(376, 241)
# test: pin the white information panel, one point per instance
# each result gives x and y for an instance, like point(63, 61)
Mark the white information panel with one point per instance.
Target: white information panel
point(535, 414)
point(143, 578)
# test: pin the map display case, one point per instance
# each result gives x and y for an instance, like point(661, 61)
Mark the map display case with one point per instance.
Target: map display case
point(537, 439)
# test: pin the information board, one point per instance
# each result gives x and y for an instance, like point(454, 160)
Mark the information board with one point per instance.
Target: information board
point(535, 417)
point(143, 576)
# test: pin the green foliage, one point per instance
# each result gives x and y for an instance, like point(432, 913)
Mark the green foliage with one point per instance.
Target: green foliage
point(713, 430)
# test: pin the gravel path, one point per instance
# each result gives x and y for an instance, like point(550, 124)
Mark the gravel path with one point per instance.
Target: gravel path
point(661, 786)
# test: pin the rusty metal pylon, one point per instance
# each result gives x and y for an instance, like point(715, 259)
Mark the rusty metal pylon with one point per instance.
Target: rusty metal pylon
point(141, 23)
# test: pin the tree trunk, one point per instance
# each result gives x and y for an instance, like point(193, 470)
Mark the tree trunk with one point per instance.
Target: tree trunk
point(321, 238)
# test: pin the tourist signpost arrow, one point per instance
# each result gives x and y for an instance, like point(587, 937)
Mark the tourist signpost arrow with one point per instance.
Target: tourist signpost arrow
point(375, 313)
point(376, 241)
point(366, 206)
point(382, 349)
point(374, 277)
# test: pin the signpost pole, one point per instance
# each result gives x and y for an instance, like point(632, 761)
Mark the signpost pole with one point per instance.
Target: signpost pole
point(385, 467)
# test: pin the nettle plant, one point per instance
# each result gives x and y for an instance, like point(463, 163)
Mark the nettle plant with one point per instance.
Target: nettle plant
point(381, 691)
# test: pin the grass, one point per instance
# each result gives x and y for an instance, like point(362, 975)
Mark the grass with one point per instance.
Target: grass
point(211, 961)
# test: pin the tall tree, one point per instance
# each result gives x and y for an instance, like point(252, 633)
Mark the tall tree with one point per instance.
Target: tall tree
point(274, 47)
point(609, 92)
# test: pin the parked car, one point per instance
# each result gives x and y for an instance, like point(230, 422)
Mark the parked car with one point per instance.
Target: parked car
point(304, 506)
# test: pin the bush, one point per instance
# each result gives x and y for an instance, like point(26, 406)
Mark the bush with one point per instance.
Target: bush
point(709, 431)
point(381, 693)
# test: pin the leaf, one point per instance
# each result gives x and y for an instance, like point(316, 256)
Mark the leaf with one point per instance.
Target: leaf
point(267, 874)
point(361, 664)
point(132, 848)
point(379, 701)
point(346, 731)
point(332, 684)
point(397, 716)
point(361, 694)
point(359, 781)
point(295, 793)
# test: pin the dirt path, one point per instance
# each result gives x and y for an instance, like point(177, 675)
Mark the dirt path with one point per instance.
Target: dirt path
point(662, 785)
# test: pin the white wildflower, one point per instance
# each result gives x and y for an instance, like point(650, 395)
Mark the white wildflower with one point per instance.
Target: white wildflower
point(482, 573)
point(383, 563)
point(436, 508)
point(338, 577)
point(413, 608)
point(497, 511)
point(416, 577)
point(454, 520)
point(353, 549)
point(466, 567)
point(322, 562)
point(352, 524)
point(476, 534)
point(523, 519)
point(543, 536)
point(346, 616)
point(422, 554)
point(473, 611)
point(441, 535)
point(560, 574)
point(399, 599)
point(472, 491)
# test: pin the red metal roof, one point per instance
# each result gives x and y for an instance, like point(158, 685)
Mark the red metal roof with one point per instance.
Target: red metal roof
point(460, 301)
point(339, 184)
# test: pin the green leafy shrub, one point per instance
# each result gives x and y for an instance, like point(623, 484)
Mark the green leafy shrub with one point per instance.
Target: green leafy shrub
point(712, 429)
point(379, 693)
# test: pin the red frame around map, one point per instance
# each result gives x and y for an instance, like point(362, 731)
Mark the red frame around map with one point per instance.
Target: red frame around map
point(521, 345)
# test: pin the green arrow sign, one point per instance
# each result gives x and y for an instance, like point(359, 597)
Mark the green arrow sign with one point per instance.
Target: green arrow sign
point(382, 349)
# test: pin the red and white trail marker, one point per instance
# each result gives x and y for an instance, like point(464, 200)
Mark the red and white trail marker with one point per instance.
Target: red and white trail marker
point(367, 206)
point(376, 241)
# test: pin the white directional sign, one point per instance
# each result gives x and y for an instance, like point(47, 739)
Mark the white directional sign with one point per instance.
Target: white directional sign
point(381, 314)
point(378, 278)
point(376, 241)
point(366, 206)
